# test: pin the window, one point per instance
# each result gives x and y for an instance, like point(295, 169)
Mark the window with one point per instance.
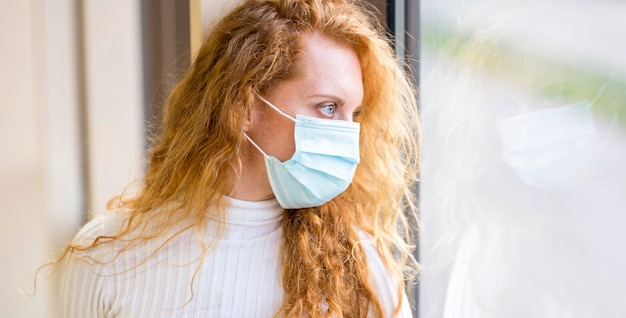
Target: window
point(523, 182)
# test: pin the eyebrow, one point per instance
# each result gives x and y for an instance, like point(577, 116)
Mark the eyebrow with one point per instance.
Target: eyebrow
point(340, 100)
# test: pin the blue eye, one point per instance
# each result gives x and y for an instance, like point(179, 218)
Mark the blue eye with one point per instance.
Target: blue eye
point(328, 110)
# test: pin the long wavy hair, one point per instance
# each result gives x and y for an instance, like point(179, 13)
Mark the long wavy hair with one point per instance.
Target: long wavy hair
point(195, 158)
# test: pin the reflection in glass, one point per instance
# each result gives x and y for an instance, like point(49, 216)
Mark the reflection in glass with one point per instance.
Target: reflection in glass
point(523, 192)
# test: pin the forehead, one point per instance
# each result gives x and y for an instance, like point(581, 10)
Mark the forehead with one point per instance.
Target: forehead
point(328, 64)
point(319, 52)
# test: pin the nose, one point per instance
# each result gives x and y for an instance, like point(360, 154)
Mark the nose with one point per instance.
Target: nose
point(345, 116)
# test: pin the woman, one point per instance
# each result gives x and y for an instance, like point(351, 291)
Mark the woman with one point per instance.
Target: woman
point(276, 186)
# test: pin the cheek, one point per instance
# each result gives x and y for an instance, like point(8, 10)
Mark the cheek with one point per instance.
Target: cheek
point(275, 137)
point(286, 147)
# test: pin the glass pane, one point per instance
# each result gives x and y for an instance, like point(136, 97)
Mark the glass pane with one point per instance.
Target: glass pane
point(523, 184)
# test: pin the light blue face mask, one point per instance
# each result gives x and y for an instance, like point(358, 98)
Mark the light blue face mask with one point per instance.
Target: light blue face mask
point(322, 167)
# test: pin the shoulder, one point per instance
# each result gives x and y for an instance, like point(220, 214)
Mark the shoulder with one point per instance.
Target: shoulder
point(104, 224)
point(84, 287)
point(375, 259)
point(385, 282)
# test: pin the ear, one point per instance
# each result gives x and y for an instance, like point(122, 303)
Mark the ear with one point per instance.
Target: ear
point(247, 124)
point(253, 114)
point(249, 120)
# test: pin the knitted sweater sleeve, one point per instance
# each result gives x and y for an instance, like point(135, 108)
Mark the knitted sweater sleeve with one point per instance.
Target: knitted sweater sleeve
point(83, 289)
point(384, 282)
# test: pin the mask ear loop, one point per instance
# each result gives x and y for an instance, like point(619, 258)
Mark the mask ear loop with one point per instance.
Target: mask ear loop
point(275, 108)
point(254, 144)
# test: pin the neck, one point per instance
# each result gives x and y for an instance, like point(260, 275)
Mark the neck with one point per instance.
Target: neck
point(253, 184)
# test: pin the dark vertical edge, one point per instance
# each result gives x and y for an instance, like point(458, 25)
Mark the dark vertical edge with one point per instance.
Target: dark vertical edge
point(412, 44)
point(391, 19)
point(165, 52)
point(83, 115)
point(151, 57)
point(413, 38)
point(183, 34)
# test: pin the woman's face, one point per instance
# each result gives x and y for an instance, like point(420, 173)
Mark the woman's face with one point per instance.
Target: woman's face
point(327, 84)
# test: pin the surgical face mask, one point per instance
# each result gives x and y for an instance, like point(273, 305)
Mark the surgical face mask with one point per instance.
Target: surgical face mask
point(322, 167)
point(549, 148)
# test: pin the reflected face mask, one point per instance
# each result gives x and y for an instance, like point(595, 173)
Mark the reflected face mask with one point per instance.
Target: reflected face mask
point(548, 148)
point(323, 165)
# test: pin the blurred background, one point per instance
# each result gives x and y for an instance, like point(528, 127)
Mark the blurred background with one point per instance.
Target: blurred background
point(523, 182)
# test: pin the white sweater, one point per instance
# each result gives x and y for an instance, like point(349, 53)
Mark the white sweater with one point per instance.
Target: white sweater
point(241, 276)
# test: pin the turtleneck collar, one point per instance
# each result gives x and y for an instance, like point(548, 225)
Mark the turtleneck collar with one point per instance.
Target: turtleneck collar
point(249, 220)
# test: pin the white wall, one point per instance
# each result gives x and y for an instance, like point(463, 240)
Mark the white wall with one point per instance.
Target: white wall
point(114, 91)
point(21, 169)
point(45, 190)
point(213, 10)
